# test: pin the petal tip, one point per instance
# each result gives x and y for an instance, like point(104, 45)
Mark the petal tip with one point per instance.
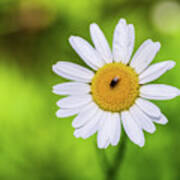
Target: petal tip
point(71, 39)
point(93, 28)
point(76, 134)
point(164, 120)
point(57, 113)
point(153, 130)
point(101, 147)
point(54, 91)
point(178, 93)
point(141, 144)
point(122, 21)
point(171, 64)
point(157, 44)
point(53, 67)
point(58, 103)
point(93, 25)
point(131, 26)
point(149, 41)
point(114, 143)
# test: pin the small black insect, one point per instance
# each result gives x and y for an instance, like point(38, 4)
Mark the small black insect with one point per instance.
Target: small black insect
point(114, 82)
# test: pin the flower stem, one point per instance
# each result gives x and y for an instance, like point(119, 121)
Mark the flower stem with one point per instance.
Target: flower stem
point(111, 170)
point(117, 162)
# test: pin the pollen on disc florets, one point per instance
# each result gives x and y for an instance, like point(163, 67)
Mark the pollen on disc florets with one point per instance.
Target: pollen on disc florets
point(115, 87)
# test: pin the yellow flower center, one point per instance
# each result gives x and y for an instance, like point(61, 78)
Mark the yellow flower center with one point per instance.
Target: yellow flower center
point(115, 87)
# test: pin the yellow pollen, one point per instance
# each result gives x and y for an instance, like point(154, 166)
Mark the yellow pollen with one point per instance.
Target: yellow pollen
point(115, 87)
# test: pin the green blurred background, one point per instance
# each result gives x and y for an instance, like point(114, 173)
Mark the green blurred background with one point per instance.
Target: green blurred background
point(34, 144)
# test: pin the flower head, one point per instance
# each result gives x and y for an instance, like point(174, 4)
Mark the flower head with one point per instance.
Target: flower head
point(114, 92)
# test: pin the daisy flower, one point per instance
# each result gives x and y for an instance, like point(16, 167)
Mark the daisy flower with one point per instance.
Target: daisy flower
point(114, 92)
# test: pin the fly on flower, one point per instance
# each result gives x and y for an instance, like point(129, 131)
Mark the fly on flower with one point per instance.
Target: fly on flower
point(114, 92)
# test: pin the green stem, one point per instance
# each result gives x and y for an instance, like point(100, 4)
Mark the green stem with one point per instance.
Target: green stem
point(110, 170)
point(117, 162)
point(103, 161)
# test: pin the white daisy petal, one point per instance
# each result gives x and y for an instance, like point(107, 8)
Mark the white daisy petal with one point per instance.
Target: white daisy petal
point(131, 40)
point(71, 88)
point(123, 42)
point(163, 120)
point(109, 131)
point(115, 129)
point(159, 92)
point(74, 101)
point(107, 144)
point(85, 115)
point(144, 55)
point(132, 130)
point(100, 43)
point(91, 127)
point(155, 71)
point(73, 71)
point(142, 119)
point(103, 139)
point(148, 107)
point(67, 112)
point(86, 52)
point(134, 61)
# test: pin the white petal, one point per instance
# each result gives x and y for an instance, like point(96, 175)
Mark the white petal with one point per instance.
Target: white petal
point(85, 115)
point(73, 71)
point(159, 91)
point(115, 128)
point(163, 120)
point(107, 144)
point(71, 88)
point(131, 40)
point(91, 127)
point(155, 71)
point(100, 43)
point(86, 52)
point(103, 139)
point(142, 119)
point(74, 101)
point(144, 55)
point(123, 42)
point(131, 128)
point(67, 112)
point(148, 107)
point(109, 131)
point(138, 52)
